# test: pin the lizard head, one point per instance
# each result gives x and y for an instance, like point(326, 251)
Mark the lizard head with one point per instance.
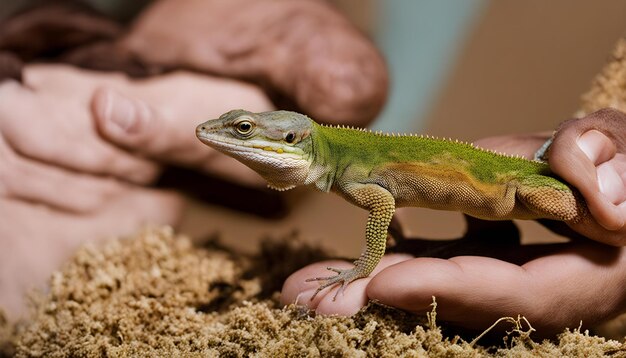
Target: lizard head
point(277, 145)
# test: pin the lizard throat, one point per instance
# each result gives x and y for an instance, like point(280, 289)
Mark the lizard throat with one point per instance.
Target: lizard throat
point(282, 169)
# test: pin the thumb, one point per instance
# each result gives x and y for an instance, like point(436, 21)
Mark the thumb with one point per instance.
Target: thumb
point(601, 151)
point(138, 127)
point(578, 155)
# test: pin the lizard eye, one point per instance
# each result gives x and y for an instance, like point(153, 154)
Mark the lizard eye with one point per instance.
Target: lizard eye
point(290, 137)
point(244, 127)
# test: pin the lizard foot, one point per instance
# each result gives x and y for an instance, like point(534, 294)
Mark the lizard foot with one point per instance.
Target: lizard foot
point(344, 277)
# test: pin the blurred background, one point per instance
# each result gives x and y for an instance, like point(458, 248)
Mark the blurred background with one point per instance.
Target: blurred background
point(503, 66)
point(461, 69)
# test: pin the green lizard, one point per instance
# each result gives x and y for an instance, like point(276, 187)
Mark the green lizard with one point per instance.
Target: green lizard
point(380, 172)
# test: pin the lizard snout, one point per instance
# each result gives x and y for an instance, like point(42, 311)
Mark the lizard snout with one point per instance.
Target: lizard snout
point(200, 128)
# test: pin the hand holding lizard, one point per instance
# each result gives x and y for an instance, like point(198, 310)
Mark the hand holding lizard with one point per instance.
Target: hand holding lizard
point(590, 153)
point(555, 289)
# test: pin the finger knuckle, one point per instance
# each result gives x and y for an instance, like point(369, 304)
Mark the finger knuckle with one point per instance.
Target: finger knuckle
point(95, 161)
point(92, 200)
point(11, 169)
point(146, 174)
point(609, 113)
point(135, 169)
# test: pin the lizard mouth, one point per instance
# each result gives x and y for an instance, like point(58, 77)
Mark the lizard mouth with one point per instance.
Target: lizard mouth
point(283, 170)
point(242, 146)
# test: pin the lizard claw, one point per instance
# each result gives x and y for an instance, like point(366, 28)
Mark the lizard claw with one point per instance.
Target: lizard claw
point(344, 277)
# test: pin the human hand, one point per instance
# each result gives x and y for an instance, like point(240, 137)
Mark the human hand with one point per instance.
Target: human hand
point(558, 289)
point(554, 289)
point(67, 178)
point(590, 154)
point(61, 185)
point(150, 119)
point(302, 51)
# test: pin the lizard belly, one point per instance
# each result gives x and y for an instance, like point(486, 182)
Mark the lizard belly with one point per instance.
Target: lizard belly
point(420, 185)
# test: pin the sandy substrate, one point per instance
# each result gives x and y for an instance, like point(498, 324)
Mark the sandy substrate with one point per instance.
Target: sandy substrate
point(155, 294)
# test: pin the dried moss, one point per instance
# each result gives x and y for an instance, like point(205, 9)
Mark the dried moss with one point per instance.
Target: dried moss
point(608, 88)
point(8, 336)
point(157, 295)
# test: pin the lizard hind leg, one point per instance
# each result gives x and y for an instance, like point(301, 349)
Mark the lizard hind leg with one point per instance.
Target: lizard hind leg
point(551, 199)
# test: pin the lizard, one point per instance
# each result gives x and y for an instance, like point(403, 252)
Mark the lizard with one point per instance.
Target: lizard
point(382, 171)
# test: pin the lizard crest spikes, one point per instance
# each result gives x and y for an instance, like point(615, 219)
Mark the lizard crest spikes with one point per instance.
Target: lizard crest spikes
point(381, 171)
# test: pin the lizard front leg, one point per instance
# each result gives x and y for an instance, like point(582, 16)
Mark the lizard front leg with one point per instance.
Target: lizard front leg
point(381, 206)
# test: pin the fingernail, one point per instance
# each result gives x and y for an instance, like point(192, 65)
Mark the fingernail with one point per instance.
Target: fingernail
point(121, 111)
point(587, 143)
point(610, 183)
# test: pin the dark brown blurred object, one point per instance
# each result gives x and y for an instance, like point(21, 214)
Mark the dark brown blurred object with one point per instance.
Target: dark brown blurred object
point(64, 31)
point(10, 67)
point(53, 28)
point(304, 54)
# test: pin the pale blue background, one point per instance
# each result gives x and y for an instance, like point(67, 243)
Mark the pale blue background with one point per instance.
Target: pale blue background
point(420, 39)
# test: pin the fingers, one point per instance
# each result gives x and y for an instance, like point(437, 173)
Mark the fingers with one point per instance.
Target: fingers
point(611, 181)
point(37, 182)
point(67, 80)
point(589, 154)
point(339, 76)
point(581, 282)
point(485, 282)
point(600, 150)
point(60, 131)
point(553, 292)
point(596, 146)
point(138, 127)
point(297, 290)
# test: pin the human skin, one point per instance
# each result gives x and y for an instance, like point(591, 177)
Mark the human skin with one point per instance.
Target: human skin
point(77, 154)
point(558, 288)
point(312, 58)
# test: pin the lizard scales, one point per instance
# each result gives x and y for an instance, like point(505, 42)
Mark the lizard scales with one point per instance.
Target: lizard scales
point(379, 172)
